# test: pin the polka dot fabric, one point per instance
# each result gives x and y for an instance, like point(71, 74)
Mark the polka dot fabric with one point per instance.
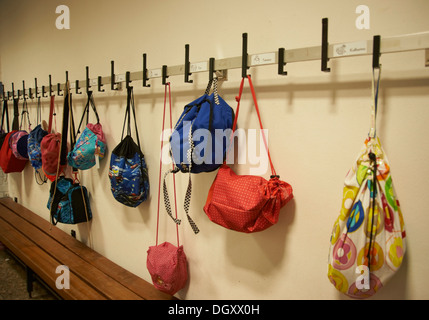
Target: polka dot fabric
point(168, 267)
point(246, 203)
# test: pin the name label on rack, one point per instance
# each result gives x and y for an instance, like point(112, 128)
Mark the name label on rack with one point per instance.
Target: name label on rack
point(198, 66)
point(119, 77)
point(155, 73)
point(263, 58)
point(350, 49)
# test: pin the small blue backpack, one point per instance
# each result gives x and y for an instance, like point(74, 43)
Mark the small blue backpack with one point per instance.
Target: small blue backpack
point(129, 180)
point(68, 202)
point(208, 146)
point(199, 141)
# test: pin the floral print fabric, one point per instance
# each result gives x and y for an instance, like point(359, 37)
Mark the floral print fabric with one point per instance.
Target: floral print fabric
point(369, 233)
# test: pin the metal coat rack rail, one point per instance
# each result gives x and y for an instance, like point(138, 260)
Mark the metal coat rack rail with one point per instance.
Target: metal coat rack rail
point(323, 52)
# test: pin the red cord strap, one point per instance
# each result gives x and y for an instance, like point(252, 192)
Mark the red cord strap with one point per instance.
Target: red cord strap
point(238, 98)
point(160, 164)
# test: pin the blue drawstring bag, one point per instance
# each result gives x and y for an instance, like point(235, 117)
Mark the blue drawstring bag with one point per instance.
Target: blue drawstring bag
point(35, 139)
point(207, 124)
point(199, 141)
point(90, 144)
point(33, 146)
point(129, 180)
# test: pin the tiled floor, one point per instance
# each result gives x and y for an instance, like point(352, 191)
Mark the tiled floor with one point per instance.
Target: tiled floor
point(13, 281)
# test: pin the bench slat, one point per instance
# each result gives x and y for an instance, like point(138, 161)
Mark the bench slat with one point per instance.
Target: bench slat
point(44, 265)
point(134, 283)
point(87, 272)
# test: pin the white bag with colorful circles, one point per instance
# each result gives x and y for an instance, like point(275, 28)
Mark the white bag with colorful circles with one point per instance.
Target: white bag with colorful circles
point(368, 238)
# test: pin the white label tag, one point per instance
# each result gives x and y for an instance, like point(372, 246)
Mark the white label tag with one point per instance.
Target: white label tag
point(119, 77)
point(155, 73)
point(349, 49)
point(264, 58)
point(199, 66)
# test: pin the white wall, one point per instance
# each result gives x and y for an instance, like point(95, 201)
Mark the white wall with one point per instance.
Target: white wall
point(317, 121)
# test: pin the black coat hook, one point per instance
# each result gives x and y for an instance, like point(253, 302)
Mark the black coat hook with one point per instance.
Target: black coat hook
point(281, 62)
point(67, 77)
point(211, 68)
point(164, 74)
point(127, 79)
point(112, 76)
point(36, 92)
point(30, 93)
point(187, 65)
point(325, 45)
point(50, 86)
point(78, 87)
point(145, 77)
point(376, 52)
point(13, 91)
point(43, 92)
point(2, 91)
point(244, 57)
point(87, 80)
point(59, 90)
point(99, 84)
point(23, 90)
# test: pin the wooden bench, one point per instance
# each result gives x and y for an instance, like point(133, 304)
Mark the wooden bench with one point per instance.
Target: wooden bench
point(43, 247)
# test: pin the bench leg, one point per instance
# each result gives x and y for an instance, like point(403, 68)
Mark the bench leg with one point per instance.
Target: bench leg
point(30, 280)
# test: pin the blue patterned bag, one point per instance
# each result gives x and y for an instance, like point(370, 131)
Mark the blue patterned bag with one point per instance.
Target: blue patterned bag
point(34, 153)
point(90, 144)
point(128, 173)
point(68, 202)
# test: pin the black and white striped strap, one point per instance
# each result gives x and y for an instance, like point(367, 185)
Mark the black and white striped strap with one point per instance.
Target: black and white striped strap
point(214, 83)
point(187, 202)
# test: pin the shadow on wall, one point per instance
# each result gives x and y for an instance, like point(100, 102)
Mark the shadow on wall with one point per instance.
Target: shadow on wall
point(265, 249)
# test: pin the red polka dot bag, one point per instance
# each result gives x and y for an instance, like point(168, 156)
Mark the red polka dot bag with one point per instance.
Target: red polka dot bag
point(246, 203)
point(167, 263)
point(368, 238)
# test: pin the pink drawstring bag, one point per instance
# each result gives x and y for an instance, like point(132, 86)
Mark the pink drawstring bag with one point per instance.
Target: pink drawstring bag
point(168, 267)
point(167, 263)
